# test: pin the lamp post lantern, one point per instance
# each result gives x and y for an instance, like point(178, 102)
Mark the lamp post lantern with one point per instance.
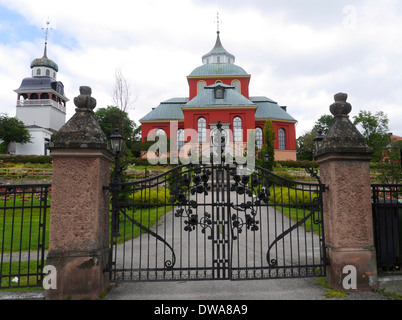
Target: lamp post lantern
point(116, 144)
point(318, 140)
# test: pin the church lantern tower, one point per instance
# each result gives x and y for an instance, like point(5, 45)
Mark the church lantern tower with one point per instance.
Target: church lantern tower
point(41, 104)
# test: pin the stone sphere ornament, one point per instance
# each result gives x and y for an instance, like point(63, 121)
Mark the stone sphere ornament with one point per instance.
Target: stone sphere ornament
point(341, 107)
point(84, 102)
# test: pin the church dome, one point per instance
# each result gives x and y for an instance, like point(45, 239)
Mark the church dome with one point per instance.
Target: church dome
point(45, 62)
point(218, 62)
point(218, 69)
point(218, 54)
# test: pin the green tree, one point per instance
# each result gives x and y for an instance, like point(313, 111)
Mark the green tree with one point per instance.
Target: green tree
point(374, 128)
point(323, 123)
point(305, 145)
point(390, 167)
point(268, 146)
point(13, 130)
point(112, 117)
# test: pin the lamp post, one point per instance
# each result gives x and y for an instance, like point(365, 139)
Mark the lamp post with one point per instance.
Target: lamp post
point(116, 144)
point(318, 140)
point(266, 160)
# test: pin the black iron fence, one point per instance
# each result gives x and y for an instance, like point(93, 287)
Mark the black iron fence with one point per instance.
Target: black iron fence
point(24, 220)
point(210, 222)
point(387, 223)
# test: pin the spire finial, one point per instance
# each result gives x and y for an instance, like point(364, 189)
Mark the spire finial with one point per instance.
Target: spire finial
point(217, 22)
point(46, 36)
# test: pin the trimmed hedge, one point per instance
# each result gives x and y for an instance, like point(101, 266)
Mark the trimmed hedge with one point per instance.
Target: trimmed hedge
point(297, 164)
point(25, 159)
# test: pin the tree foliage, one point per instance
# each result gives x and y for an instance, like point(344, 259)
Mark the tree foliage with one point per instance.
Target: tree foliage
point(391, 166)
point(112, 117)
point(323, 123)
point(374, 128)
point(13, 130)
point(268, 146)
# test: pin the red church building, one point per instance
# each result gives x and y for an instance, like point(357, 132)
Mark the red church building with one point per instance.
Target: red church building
point(219, 91)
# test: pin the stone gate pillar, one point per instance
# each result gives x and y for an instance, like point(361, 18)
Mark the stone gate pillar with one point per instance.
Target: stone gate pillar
point(79, 218)
point(344, 167)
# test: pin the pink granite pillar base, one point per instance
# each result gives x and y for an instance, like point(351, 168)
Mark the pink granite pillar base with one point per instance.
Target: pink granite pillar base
point(359, 263)
point(79, 223)
point(348, 219)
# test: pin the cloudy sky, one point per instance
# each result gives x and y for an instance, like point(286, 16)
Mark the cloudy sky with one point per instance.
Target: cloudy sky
point(298, 52)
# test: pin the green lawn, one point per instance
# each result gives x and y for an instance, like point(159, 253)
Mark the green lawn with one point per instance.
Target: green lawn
point(21, 274)
point(146, 217)
point(20, 225)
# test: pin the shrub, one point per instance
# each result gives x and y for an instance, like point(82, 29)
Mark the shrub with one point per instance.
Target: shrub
point(297, 164)
point(285, 196)
point(26, 159)
point(151, 196)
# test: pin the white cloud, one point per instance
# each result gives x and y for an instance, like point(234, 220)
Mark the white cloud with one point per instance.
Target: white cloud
point(298, 53)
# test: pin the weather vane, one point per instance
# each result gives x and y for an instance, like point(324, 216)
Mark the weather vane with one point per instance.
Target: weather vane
point(217, 22)
point(46, 30)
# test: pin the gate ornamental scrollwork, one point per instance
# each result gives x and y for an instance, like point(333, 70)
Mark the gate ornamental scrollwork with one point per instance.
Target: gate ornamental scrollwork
point(186, 183)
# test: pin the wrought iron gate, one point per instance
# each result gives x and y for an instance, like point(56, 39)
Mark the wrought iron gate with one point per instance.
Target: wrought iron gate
point(216, 221)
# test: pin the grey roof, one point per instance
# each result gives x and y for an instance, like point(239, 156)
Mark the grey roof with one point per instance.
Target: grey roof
point(40, 83)
point(172, 109)
point(218, 69)
point(167, 110)
point(218, 49)
point(269, 109)
point(232, 98)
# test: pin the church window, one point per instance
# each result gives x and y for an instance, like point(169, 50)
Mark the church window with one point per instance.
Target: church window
point(236, 84)
point(38, 72)
point(180, 139)
point(258, 137)
point(218, 59)
point(200, 86)
point(282, 139)
point(47, 72)
point(237, 130)
point(202, 129)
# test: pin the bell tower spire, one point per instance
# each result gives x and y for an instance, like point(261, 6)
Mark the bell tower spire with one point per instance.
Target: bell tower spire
point(218, 54)
point(46, 37)
point(217, 23)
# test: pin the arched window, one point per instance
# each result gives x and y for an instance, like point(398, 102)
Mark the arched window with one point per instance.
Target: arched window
point(202, 129)
point(236, 84)
point(258, 137)
point(282, 139)
point(180, 139)
point(237, 130)
point(38, 72)
point(47, 72)
point(200, 86)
